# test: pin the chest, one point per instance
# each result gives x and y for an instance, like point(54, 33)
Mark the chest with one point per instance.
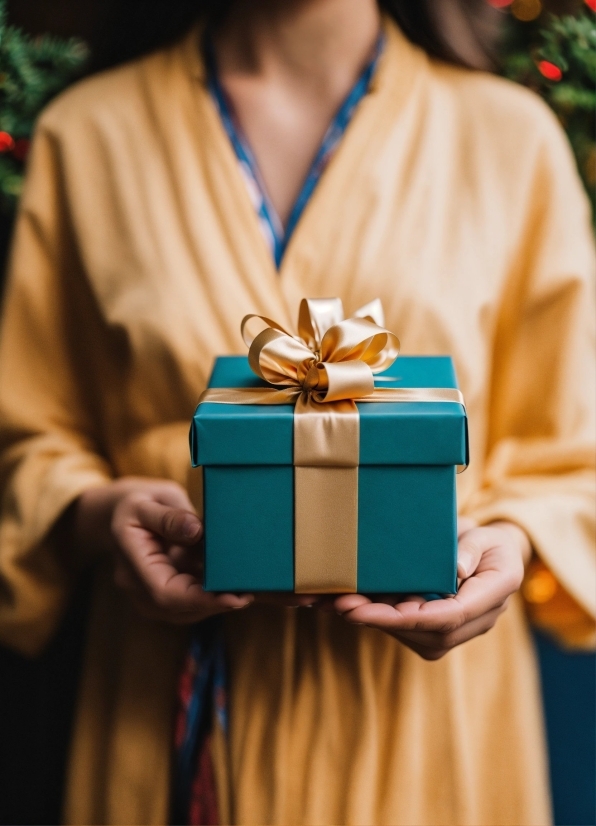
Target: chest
point(175, 255)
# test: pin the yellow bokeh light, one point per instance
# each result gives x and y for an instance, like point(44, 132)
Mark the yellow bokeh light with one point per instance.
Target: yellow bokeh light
point(540, 587)
point(526, 10)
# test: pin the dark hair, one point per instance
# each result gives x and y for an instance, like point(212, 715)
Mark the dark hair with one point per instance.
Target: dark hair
point(461, 32)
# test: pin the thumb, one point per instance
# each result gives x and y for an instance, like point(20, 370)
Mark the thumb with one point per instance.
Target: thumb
point(469, 553)
point(176, 525)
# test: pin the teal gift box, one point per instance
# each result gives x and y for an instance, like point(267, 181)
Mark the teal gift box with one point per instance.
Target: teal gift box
point(409, 453)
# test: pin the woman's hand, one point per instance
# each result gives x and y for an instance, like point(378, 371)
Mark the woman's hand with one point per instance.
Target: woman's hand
point(153, 531)
point(491, 563)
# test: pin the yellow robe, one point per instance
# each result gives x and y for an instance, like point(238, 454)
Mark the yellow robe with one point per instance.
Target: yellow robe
point(454, 199)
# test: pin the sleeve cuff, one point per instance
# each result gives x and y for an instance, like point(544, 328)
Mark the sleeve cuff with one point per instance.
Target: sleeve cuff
point(36, 574)
point(561, 592)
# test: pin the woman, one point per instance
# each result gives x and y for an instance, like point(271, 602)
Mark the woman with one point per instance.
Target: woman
point(168, 198)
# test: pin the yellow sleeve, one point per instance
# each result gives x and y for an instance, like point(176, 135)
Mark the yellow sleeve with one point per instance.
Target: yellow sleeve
point(48, 445)
point(541, 452)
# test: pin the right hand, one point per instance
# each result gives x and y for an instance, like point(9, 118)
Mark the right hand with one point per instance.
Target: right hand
point(153, 531)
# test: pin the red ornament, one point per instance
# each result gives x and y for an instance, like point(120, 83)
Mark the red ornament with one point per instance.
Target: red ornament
point(500, 4)
point(21, 148)
point(6, 142)
point(549, 70)
point(591, 4)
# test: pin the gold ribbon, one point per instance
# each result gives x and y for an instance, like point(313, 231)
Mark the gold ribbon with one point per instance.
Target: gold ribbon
point(323, 371)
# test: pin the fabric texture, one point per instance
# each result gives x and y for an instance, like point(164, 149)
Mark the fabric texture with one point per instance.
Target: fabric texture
point(453, 197)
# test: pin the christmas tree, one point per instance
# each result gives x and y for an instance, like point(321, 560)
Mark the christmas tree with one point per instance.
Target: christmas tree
point(32, 70)
point(556, 56)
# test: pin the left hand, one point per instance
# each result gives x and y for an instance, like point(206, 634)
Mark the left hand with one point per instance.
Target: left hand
point(490, 564)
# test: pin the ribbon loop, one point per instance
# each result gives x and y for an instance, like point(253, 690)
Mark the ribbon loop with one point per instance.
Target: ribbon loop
point(266, 322)
point(278, 358)
point(373, 311)
point(316, 316)
point(358, 339)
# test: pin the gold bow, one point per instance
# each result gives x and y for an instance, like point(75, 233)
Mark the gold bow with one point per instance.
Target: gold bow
point(323, 370)
point(332, 358)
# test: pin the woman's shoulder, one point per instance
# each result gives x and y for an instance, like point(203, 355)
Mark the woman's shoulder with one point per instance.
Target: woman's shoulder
point(114, 95)
point(502, 117)
point(502, 140)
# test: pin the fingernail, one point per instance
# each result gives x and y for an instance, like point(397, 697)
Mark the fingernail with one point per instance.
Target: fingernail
point(463, 565)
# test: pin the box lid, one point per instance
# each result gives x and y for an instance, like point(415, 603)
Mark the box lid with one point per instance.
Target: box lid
point(412, 433)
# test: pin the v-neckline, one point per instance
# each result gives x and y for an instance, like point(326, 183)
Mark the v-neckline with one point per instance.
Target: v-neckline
point(277, 233)
point(295, 277)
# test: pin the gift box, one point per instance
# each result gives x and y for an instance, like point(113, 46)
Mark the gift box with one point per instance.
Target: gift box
point(269, 523)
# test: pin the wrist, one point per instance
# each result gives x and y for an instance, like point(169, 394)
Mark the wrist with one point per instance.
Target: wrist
point(90, 519)
point(519, 537)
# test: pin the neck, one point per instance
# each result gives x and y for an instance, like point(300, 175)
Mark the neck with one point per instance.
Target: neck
point(302, 43)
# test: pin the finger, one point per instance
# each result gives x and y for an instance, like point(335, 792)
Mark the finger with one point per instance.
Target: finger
point(464, 523)
point(498, 575)
point(166, 585)
point(494, 581)
point(144, 567)
point(187, 559)
point(126, 578)
point(442, 643)
point(347, 602)
point(213, 604)
point(470, 548)
point(147, 608)
point(182, 599)
point(173, 524)
point(408, 616)
point(176, 497)
point(383, 615)
point(165, 491)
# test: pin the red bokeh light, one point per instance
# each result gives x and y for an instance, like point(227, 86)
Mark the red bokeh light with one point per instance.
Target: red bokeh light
point(549, 70)
point(591, 4)
point(6, 142)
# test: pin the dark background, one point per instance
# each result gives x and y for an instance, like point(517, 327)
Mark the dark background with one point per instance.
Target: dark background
point(37, 697)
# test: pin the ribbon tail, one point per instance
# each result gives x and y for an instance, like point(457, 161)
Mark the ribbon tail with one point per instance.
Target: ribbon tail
point(326, 447)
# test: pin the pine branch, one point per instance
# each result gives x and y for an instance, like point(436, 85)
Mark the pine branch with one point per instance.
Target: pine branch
point(558, 60)
point(32, 71)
